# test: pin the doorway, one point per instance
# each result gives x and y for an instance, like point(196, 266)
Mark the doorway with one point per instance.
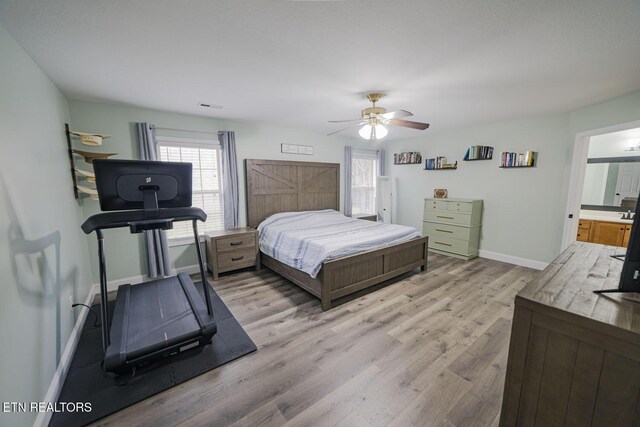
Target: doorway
point(613, 141)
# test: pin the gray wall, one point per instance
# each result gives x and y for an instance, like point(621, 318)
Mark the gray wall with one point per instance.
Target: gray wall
point(524, 208)
point(43, 253)
point(125, 254)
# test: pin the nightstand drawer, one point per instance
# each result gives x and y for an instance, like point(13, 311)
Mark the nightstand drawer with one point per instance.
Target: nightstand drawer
point(236, 258)
point(233, 243)
point(449, 217)
point(436, 231)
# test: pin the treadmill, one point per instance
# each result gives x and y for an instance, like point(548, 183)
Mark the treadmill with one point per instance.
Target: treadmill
point(160, 317)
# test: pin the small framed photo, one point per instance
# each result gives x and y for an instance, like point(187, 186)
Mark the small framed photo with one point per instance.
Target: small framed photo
point(440, 193)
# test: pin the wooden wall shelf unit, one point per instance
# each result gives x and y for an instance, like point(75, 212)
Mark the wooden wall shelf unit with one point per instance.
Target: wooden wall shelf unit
point(528, 159)
point(574, 356)
point(478, 152)
point(76, 172)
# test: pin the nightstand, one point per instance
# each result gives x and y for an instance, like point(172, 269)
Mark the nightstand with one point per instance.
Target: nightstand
point(229, 250)
point(366, 217)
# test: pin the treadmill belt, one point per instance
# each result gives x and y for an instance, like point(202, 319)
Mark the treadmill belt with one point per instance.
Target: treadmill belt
point(159, 312)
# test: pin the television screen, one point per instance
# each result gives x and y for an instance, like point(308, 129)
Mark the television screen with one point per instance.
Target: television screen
point(121, 184)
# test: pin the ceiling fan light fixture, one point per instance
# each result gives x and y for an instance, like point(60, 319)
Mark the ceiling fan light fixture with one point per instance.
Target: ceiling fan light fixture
point(373, 132)
point(380, 131)
point(373, 119)
point(365, 131)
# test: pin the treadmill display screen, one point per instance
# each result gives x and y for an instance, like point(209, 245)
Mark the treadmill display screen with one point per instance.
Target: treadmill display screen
point(121, 183)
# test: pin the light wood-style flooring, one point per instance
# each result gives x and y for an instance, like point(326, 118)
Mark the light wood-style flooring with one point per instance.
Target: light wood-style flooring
point(430, 349)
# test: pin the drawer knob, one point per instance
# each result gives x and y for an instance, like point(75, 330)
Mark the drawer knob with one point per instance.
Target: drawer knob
point(444, 217)
point(441, 243)
point(236, 243)
point(444, 231)
point(237, 258)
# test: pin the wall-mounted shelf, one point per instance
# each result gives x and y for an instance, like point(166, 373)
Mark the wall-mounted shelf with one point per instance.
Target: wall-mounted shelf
point(407, 158)
point(528, 159)
point(478, 152)
point(91, 139)
point(439, 163)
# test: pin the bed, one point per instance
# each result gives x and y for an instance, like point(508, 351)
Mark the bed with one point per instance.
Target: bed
point(275, 186)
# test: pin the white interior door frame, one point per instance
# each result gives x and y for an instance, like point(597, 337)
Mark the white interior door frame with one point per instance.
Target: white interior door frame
point(576, 179)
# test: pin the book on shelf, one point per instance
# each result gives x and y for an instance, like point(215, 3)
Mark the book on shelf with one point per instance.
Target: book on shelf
point(412, 157)
point(479, 152)
point(439, 163)
point(518, 160)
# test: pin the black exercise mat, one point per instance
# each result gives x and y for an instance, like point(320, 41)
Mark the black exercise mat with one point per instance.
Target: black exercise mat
point(86, 382)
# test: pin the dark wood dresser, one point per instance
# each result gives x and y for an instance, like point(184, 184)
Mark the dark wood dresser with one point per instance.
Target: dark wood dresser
point(574, 356)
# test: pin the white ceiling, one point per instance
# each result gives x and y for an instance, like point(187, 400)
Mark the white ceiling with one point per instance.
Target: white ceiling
point(301, 63)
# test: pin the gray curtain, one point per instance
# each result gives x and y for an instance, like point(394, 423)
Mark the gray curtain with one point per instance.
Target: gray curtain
point(347, 180)
point(230, 179)
point(380, 154)
point(158, 259)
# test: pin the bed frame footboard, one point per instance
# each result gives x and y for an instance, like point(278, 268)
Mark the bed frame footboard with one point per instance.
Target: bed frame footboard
point(343, 276)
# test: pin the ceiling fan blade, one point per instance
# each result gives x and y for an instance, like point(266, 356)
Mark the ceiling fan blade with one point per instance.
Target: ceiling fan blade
point(345, 121)
point(396, 114)
point(409, 124)
point(340, 130)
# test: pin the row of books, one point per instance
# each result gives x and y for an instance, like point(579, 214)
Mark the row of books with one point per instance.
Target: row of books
point(439, 163)
point(407, 158)
point(510, 160)
point(479, 152)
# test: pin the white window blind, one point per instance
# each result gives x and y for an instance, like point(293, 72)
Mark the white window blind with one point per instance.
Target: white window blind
point(363, 181)
point(207, 182)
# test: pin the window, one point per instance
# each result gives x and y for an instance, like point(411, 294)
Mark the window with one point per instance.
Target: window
point(364, 167)
point(207, 182)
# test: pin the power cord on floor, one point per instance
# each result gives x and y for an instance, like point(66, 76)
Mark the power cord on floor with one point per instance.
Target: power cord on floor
point(95, 321)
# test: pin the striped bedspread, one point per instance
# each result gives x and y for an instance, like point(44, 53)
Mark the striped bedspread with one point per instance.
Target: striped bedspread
point(304, 240)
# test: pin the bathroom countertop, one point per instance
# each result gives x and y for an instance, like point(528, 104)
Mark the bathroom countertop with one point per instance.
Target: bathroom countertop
point(604, 216)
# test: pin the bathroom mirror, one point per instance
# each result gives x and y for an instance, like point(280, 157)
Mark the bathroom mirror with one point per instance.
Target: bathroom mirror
point(611, 183)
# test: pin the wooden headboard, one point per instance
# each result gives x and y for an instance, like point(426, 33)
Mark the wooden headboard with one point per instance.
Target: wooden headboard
point(283, 186)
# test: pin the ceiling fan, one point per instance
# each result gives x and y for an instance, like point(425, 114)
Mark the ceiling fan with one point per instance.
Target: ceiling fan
point(374, 118)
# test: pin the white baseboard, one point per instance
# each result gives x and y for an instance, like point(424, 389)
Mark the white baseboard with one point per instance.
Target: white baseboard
point(524, 262)
point(189, 269)
point(60, 375)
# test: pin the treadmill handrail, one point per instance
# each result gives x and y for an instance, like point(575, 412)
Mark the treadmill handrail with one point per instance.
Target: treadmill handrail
point(120, 219)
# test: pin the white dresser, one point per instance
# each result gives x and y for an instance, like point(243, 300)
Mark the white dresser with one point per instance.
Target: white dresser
point(453, 226)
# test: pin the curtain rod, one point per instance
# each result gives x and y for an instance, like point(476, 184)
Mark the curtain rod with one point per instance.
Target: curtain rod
point(184, 130)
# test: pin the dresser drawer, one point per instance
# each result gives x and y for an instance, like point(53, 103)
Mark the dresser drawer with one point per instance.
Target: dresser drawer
point(439, 205)
point(236, 258)
point(449, 245)
point(435, 231)
point(449, 217)
point(236, 242)
point(459, 206)
point(447, 205)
